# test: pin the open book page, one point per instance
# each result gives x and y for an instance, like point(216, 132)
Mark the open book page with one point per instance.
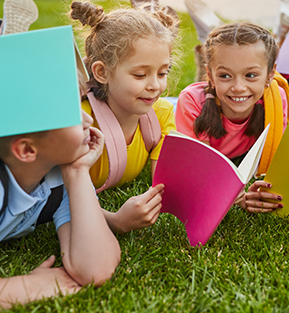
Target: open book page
point(201, 184)
point(249, 165)
point(178, 134)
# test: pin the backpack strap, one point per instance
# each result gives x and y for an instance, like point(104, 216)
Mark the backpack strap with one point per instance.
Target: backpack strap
point(5, 182)
point(115, 141)
point(150, 129)
point(273, 116)
point(51, 205)
point(113, 138)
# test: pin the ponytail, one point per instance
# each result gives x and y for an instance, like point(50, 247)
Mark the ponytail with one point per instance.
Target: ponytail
point(210, 119)
point(256, 122)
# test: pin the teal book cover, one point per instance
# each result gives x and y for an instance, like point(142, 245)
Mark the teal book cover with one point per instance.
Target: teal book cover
point(38, 81)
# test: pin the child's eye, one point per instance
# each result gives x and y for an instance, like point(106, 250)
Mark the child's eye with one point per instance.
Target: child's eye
point(139, 75)
point(162, 74)
point(225, 76)
point(251, 75)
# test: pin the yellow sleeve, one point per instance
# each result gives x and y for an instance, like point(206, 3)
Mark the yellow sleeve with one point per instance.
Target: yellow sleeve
point(85, 105)
point(165, 114)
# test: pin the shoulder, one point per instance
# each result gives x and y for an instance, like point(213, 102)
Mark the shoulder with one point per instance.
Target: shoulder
point(194, 92)
point(162, 105)
point(54, 178)
point(165, 113)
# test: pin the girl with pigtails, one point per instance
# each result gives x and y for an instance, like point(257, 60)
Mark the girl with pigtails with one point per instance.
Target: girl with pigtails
point(128, 57)
point(242, 96)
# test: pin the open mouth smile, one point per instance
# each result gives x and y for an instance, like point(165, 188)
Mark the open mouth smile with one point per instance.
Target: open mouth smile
point(239, 99)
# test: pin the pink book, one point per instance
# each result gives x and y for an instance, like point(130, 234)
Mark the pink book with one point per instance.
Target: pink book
point(201, 184)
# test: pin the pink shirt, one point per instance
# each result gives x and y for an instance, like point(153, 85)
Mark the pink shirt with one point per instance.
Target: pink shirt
point(235, 143)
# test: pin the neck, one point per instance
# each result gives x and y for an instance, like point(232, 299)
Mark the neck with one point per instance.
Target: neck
point(27, 175)
point(128, 123)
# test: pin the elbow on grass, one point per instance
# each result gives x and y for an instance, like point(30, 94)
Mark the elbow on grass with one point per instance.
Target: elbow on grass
point(98, 272)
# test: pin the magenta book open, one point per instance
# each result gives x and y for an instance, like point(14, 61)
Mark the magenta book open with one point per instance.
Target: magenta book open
point(201, 184)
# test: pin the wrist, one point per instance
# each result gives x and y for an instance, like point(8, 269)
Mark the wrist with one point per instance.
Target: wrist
point(114, 220)
point(75, 176)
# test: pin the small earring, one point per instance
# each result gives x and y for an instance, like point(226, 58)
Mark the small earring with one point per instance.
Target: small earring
point(267, 85)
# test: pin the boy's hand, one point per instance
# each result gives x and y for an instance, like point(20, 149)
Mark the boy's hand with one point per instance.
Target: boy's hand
point(42, 282)
point(256, 201)
point(95, 150)
point(47, 281)
point(140, 211)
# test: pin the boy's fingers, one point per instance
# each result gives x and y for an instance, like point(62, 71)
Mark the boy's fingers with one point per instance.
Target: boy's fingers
point(96, 133)
point(72, 290)
point(47, 263)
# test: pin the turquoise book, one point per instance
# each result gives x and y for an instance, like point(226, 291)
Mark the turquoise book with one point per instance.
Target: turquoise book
point(38, 81)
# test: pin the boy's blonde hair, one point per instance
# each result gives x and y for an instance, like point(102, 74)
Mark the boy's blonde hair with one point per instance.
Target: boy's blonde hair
point(112, 35)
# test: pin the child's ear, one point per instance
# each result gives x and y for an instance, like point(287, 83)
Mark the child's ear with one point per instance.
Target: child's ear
point(24, 149)
point(99, 72)
point(271, 76)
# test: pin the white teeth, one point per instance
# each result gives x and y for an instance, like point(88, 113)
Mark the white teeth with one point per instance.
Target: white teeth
point(239, 99)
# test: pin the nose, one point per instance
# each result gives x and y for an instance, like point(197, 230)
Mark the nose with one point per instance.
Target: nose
point(238, 85)
point(87, 120)
point(153, 83)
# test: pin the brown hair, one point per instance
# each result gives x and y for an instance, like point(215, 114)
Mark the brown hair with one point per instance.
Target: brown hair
point(112, 35)
point(210, 121)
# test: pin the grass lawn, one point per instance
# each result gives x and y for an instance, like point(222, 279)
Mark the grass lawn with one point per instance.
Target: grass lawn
point(243, 267)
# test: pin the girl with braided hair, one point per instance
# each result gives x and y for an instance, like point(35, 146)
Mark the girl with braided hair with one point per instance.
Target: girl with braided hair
point(243, 94)
point(128, 57)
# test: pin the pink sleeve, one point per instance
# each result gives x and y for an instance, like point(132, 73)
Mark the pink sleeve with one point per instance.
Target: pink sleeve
point(189, 107)
point(285, 107)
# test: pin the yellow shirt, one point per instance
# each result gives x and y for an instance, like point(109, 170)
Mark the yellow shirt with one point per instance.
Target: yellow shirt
point(137, 156)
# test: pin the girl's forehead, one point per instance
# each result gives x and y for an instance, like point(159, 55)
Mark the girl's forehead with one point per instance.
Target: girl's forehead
point(255, 52)
point(147, 49)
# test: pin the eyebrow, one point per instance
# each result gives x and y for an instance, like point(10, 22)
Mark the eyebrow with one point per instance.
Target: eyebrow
point(146, 66)
point(248, 68)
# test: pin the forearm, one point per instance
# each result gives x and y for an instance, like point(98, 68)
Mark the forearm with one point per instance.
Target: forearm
point(93, 252)
point(114, 222)
point(17, 289)
point(153, 167)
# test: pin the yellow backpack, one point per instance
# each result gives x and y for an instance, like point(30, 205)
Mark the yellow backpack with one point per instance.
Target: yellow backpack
point(273, 116)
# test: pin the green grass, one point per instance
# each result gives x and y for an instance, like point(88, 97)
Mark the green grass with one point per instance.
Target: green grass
point(243, 267)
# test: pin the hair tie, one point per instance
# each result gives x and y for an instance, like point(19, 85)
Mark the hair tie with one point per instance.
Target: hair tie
point(209, 96)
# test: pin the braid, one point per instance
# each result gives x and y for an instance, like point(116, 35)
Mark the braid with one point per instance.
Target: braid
point(210, 119)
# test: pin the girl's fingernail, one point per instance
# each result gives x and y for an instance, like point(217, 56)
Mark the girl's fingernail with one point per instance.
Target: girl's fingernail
point(280, 205)
point(269, 185)
point(279, 198)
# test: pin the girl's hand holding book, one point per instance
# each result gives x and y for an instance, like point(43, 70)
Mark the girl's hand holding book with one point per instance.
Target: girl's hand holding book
point(257, 201)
